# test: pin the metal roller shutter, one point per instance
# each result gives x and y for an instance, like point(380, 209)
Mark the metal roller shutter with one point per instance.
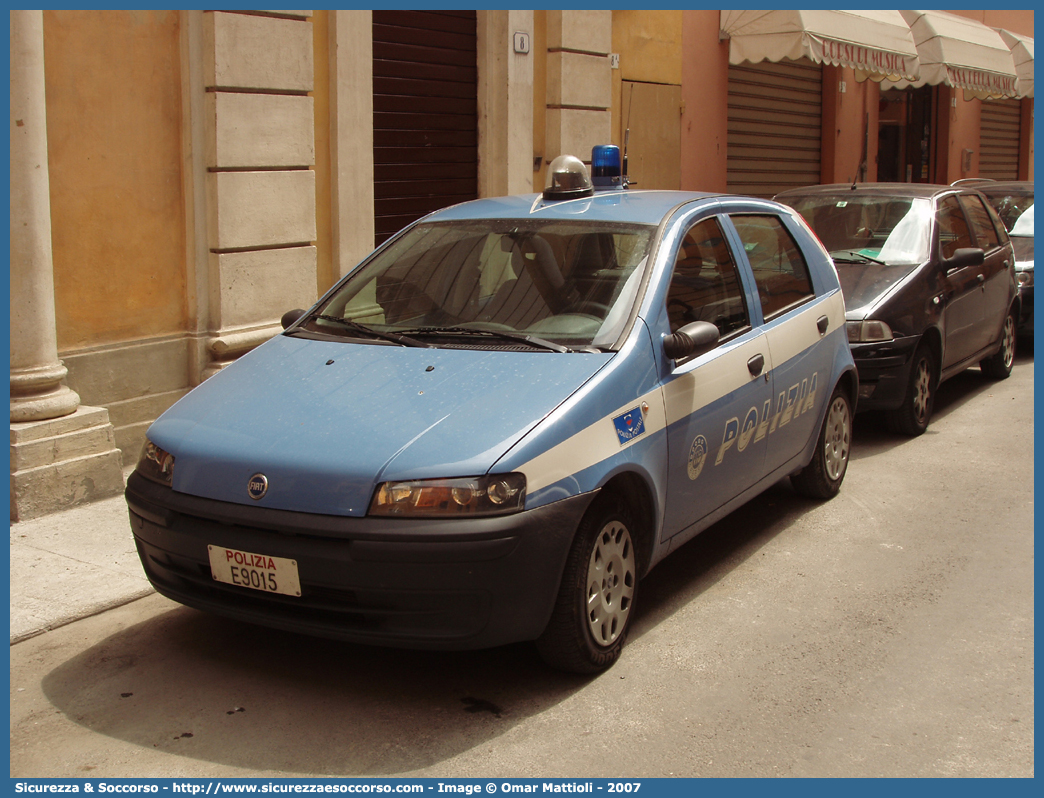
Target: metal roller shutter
point(1000, 128)
point(425, 114)
point(774, 126)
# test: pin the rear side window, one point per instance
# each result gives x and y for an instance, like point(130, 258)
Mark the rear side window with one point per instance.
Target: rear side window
point(982, 224)
point(705, 285)
point(953, 228)
point(779, 267)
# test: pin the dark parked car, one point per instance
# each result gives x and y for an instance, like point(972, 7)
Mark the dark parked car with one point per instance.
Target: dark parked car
point(929, 282)
point(1013, 201)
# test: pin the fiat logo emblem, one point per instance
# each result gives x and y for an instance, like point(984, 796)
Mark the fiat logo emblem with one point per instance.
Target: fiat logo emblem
point(257, 487)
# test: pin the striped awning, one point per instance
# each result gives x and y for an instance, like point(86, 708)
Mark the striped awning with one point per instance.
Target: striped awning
point(877, 43)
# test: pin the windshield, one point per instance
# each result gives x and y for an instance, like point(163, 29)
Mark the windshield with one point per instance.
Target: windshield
point(496, 283)
point(1010, 205)
point(890, 230)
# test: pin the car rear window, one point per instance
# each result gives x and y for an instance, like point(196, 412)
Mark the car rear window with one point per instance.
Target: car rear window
point(779, 267)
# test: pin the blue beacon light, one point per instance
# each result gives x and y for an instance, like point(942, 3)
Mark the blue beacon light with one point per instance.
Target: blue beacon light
point(606, 168)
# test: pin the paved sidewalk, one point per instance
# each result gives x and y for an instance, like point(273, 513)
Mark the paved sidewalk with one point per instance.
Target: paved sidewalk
point(71, 565)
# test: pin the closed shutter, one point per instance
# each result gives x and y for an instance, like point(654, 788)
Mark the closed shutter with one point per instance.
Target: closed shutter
point(1000, 128)
point(425, 114)
point(775, 126)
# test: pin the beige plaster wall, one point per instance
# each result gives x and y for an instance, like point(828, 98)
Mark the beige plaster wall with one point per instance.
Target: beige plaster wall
point(325, 274)
point(114, 153)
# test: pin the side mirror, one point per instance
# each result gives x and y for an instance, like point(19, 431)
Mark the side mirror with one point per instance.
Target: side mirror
point(290, 317)
point(964, 257)
point(692, 339)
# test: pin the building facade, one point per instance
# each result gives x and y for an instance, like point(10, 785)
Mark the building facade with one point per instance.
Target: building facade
point(179, 179)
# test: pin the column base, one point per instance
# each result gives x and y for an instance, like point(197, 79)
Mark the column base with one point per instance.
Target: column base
point(63, 462)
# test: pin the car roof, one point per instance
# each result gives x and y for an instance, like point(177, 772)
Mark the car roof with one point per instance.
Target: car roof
point(877, 189)
point(630, 206)
point(1006, 187)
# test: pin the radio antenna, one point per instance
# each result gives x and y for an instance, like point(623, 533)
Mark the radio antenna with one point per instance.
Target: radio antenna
point(627, 136)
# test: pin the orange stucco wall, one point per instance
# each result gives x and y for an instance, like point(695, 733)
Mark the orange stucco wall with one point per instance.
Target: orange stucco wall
point(705, 99)
point(1015, 20)
point(115, 157)
point(847, 117)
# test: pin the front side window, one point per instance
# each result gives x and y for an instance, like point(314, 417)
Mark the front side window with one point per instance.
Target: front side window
point(953, 228)
point(567, 282)
point(982, 224)
point(779, 268)
point(705, 285)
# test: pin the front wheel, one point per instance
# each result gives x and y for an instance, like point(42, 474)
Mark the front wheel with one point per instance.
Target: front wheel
point(912, 417)
point(999, 366)
point(821, 478)
point(596, 598)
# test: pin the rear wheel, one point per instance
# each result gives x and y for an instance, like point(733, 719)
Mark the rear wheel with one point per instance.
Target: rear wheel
point(999, 366)
point(912, 417)
point(596, 598)
point(821, 478)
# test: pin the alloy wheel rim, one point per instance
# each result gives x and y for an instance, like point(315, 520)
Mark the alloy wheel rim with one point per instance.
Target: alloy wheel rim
point(610, 583)
point(922, 390)
point(838, 439)
point(1009, 342)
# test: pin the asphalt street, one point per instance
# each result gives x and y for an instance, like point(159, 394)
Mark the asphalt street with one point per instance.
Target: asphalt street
point(888, 632)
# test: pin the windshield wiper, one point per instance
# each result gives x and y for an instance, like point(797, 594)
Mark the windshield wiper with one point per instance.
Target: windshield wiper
point(532, 340)
point(854, 256)
point(354, 326)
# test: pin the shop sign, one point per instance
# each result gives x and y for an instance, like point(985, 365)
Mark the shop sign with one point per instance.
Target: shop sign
point(867, 59)
point(976, 81)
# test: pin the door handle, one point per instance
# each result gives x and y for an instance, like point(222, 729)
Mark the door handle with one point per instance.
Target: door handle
point(822, 324)
point(756, 364)
point(981, 278)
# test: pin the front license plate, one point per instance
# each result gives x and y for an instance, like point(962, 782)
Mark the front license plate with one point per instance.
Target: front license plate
point(256, 571)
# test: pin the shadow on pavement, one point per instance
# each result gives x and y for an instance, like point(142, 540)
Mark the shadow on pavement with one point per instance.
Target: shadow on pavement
point(198, 686)
point(872, 435)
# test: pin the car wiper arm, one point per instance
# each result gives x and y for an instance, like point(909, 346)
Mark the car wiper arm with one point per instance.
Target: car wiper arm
point(402, 340)
point(532, 340)
point(854, 256)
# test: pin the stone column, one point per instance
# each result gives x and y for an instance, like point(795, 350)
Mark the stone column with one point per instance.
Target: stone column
point(260, 185)
point(351, 137)
point(505, 102)
point(62, 454)
point(579, 82)
point(36, 373)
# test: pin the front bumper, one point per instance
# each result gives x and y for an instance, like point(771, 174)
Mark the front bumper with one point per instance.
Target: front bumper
point(421, 583)
point(884, 372)
point(1026, 311)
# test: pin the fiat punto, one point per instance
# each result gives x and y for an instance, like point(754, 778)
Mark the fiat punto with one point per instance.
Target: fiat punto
point(497, 424)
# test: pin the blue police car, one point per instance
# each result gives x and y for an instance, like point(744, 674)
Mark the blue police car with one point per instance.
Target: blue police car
point(503, 418)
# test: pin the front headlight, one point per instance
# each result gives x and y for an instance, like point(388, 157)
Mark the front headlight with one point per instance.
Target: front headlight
point(156, 464)
point(1024, 278)
point(866, 331)
point(441, 498)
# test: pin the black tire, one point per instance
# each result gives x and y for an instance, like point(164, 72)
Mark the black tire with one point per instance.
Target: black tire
point(999, 366)
point(912, 416)
point(595, 602)
point(822, 477)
